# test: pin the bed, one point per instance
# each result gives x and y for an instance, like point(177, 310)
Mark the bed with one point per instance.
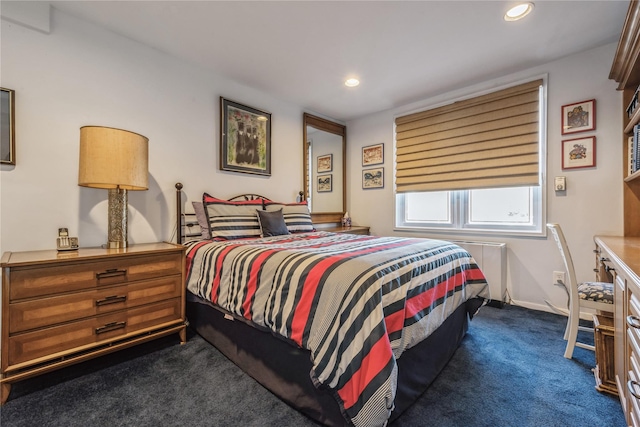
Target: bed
point(347, 329)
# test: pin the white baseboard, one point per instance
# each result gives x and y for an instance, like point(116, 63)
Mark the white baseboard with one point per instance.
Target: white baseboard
point(532, 306)
point(543, 307)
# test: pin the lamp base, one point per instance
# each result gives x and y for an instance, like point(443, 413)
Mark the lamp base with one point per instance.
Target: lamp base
point(118, 213)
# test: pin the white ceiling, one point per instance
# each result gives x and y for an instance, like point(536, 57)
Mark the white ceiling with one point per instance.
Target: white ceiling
point(402, 51)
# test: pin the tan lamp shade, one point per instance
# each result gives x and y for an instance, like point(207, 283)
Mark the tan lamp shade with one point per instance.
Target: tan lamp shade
point(113, 158)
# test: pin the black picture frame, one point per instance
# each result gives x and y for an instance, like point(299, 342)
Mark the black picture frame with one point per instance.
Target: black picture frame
point(7, 127)
point(373, 155)
point(325, 163)
point(325, 183)
point(372, 178)
point(245, 138)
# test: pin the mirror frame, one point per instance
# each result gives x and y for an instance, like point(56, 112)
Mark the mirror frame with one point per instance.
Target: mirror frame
point(337, 129)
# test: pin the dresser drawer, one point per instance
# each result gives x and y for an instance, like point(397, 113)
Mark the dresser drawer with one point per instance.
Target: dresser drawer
point(36, 313)
point(634, 408)
point(53, 342)
point(29, 282)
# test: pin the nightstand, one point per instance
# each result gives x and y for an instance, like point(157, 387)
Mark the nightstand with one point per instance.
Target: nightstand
point(354, 229)
point(61, 308)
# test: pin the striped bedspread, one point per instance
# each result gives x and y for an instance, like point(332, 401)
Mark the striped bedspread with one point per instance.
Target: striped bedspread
point(356, 302)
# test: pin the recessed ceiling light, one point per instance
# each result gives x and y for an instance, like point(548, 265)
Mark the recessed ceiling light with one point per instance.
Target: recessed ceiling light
point(352, 82)
point(518, 11)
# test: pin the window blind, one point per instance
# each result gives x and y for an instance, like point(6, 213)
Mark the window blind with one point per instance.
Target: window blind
point(484, 142)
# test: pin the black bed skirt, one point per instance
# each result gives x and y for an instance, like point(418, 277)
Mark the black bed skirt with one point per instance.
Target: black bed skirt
point(284, 369)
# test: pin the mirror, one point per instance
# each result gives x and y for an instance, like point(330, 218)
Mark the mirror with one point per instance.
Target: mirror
point(324, 164)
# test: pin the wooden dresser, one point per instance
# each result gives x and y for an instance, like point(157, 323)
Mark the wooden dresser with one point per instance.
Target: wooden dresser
point(354, 229)
point(61, 308)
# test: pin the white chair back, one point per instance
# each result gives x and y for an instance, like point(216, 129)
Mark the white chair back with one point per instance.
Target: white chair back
point(558, 236)
point(576, 290)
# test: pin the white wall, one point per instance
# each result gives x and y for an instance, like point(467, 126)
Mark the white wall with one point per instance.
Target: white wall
point(80, 74)
point(592, 204)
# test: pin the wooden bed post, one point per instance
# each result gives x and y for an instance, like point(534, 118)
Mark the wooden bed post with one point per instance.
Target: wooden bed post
point(179, 213)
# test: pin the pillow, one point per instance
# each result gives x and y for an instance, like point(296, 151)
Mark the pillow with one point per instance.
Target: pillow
point(272, 223)
point(203, 220)
point(296, 216)
point(232, 220)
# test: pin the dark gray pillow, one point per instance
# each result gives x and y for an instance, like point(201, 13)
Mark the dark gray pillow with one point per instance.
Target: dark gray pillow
point(272, 223)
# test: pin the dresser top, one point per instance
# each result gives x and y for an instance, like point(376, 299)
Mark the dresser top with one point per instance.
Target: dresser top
point(625, 250)
point(10, 259)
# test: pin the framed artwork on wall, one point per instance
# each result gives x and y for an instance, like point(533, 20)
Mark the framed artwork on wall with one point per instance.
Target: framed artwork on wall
point(7, 127)
point(579, 117)
point(325, 163)
point(325, 184)
point(579, 153)
point(245, 140)
point(373, 155)
point(373, 178)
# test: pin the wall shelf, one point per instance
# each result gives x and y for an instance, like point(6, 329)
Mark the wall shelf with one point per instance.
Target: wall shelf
point(633, 176)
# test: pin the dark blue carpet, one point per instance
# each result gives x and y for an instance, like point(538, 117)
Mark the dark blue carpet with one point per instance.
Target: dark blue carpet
point(509, 371)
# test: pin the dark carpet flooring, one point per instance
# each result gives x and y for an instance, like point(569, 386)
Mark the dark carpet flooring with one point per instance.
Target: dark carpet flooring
point(509, 371)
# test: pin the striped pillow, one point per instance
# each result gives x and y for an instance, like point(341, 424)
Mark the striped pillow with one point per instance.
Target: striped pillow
point(296, 216)
point(232, 220)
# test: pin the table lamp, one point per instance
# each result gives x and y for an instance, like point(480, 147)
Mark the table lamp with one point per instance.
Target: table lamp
point(117, 160)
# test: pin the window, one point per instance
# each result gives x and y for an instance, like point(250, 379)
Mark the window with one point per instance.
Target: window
point(507, 210)
point(503, 194)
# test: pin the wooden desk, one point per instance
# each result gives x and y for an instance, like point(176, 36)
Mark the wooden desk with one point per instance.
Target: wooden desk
point(621, 256)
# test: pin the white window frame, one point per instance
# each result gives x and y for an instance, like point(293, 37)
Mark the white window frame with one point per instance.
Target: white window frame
point(459, 200)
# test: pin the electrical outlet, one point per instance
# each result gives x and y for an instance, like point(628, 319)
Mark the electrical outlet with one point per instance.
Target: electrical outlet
point(558, 277)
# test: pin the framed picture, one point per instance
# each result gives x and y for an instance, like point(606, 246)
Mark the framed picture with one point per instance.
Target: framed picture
point(579, 153)
point(7, 127)
point(245, 140)
point(325, 163)
point(579, 117)
point(373, 178)
point(373, 155)
point(325, 184)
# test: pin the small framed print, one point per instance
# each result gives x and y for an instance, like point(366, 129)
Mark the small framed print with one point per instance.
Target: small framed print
point(373, 155)
point(325, 184)
point(579, 153)
point(325, 163)
point(373, 178)
point(579, 117)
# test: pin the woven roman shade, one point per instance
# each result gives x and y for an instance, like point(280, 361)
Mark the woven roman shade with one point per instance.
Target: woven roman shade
point(483, 142)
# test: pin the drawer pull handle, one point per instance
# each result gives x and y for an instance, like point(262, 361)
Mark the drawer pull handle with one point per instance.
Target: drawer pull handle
point(113, 299)
point(631, 386)
point(633, 321)
point(110, 327)
point(610, 268)
point(604, 259)
point(113, 272)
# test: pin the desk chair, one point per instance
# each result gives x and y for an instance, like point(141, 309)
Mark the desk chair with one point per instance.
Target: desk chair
point(593, 295)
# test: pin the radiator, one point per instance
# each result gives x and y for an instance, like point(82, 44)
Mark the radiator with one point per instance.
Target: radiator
point(492, 260)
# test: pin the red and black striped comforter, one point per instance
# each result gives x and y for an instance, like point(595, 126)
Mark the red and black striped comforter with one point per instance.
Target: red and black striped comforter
point(356, 302)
